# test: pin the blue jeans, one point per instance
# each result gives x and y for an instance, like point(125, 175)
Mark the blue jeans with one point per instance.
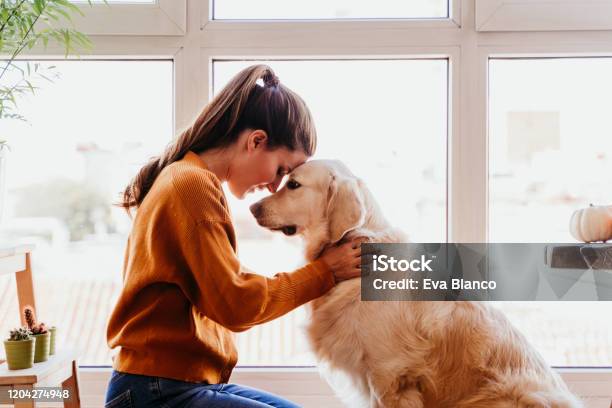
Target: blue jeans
point(139, 391)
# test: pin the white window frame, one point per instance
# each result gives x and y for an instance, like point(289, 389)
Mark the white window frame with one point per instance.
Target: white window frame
point(163, 17)
point(464, 39)
point(543, 15)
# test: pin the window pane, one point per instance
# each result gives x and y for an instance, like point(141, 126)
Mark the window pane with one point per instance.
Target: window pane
point(387, 121)
point(88, 133)
point(550, 154)
point(118, 1)
point(328, 9)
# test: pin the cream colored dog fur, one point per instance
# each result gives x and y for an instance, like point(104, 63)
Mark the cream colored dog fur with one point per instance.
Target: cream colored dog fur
point(401, 354)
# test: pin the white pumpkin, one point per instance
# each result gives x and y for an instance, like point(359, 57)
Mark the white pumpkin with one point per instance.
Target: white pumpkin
point(592, 224)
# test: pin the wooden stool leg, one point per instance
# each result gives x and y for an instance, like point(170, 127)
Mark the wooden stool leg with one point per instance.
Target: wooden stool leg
point(30, 403)
point(72, 384)
point(25, 404)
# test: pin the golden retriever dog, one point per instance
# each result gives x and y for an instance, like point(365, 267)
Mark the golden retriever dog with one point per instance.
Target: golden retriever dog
point(401, 353)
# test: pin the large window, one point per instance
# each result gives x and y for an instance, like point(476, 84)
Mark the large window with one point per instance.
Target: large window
point(87, 133)
point(386, 120)
point(551, 145)
point(461, 116)
point(551, 154)
point(325, 9)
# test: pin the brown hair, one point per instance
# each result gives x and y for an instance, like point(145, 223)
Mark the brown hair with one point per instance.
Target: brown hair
point(242, 104)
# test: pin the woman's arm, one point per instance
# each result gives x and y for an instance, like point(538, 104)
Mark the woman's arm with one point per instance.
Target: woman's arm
point(198, 223)
point(215, 283)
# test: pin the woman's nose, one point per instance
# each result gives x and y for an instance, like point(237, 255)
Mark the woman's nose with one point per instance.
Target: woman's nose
point(272, 187)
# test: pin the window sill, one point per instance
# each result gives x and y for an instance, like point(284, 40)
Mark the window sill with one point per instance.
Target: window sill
point(305, 386)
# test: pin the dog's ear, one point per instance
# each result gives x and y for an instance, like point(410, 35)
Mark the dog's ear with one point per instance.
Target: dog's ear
point(345, 207)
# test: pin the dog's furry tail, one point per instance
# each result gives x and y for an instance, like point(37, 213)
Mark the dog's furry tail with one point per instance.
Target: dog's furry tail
point(555, 399)
point(524, 392)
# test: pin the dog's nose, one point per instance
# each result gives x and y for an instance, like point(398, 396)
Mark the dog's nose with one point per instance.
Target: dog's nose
point(256, 209)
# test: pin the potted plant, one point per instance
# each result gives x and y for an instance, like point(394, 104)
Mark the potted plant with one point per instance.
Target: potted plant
point(53, 331)
point(19, 349)
point(40, 334)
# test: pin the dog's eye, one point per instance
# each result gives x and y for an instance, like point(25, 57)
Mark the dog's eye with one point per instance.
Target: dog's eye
point(292, 184)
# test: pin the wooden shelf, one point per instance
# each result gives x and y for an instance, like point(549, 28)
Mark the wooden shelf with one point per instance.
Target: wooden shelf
point(580, 256)
point(9, 250)
point(13, 258)
point(53, 371)
point(61, 368)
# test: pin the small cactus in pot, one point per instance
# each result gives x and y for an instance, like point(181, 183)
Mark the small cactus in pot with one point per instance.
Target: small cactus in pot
point(19, 349)
point(40, 333)
point(21, 333)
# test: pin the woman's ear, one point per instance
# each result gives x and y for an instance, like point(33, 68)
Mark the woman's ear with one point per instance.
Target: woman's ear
point(256, 139)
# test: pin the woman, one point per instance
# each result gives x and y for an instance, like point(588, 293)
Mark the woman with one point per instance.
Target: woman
point(184, 289)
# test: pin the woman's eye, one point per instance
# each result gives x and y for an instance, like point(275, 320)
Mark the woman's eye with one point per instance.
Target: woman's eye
point(292, 184)
point(281, 172)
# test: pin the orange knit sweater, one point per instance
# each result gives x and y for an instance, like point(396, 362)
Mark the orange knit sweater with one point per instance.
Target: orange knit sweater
point(183, 290)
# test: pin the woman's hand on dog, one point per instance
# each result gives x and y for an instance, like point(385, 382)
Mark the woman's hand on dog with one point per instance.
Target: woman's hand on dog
point(344, 260)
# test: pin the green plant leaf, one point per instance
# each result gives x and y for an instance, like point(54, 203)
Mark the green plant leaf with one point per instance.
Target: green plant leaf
point(18, 31)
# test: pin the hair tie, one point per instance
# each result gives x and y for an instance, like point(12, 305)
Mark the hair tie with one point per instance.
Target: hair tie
point(269, 79)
